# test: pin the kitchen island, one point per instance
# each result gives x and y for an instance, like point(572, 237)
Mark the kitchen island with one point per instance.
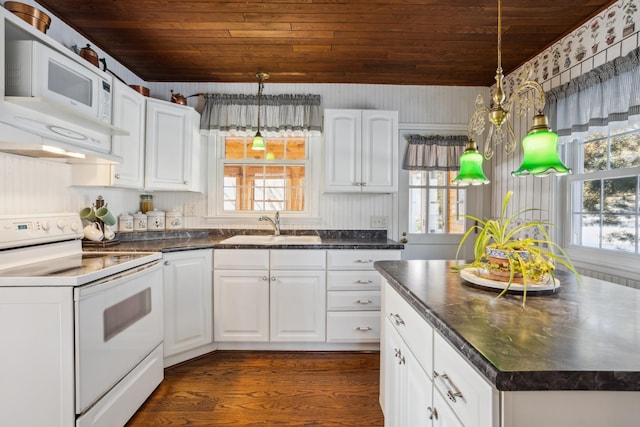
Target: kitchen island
point(568, 358)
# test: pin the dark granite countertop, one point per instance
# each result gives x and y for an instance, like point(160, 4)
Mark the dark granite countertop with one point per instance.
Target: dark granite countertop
point(585, 336)
point(182, 240)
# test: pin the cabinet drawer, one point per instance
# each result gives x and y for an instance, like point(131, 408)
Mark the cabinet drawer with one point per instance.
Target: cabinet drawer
point(468, 394)
point(360, 326)
point(353, 300)
point(358, 259)
point(353, 280)
point(243, 259)
point(415, 330)
point(301, 259)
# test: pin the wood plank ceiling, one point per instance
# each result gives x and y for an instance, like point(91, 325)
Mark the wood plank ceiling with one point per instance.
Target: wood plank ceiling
point(421, 42)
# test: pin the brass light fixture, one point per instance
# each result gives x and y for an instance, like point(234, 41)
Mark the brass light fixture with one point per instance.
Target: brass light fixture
point(540, 146)
point(258, 140)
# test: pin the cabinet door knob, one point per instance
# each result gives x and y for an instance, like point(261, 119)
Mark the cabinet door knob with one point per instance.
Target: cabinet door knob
point(356, 184)
point(363, 184)
point(185, 182)
point(117, 176)
point(273, 278)
point(265, 278)
point(167, 263)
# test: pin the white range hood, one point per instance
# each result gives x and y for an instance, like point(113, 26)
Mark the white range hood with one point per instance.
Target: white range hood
point(31, 133)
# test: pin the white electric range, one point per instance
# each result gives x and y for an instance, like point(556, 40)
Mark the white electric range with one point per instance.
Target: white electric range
point(81, 331)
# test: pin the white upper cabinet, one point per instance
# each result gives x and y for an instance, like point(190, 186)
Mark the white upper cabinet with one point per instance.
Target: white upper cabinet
point(128, 114)
point(361, 151)
point(173, 147)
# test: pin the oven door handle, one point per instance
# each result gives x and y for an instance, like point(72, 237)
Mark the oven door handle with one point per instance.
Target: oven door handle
point(102, 284)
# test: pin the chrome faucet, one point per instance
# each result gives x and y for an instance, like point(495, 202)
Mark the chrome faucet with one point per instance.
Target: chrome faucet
point(275, 222)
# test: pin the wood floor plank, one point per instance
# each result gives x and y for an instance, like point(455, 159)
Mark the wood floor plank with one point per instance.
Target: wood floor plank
point(250, 388)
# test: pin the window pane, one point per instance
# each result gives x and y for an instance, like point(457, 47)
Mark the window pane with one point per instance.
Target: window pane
point(296, 149)
point(275, 149)
point(457, 210)
point(417, 178)
point(620, 195)
point(436, 221)
point(595, 155)
point(234, 148)
point(619, 233)
point(591, 196)
point(417, 214)
point(625, 151)
point(591, 231)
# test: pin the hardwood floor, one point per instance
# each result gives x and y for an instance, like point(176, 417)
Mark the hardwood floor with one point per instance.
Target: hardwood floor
point(246, 388)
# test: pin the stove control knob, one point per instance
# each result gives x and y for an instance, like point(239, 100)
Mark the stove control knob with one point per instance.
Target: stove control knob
point(75, 226)
point(46, 226)
point(61, 224)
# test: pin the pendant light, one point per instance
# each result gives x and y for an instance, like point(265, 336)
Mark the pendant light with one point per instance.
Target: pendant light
point(258, 140)
point(540, 148)
point(540, 154)
point(470, 167)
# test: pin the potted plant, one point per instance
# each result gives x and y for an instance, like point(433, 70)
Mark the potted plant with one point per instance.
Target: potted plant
point(505, 257)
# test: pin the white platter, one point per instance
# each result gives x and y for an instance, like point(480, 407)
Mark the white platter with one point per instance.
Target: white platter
point(472, 275)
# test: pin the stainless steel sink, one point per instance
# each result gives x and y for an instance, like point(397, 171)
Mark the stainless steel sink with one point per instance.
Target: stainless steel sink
point(261, 239)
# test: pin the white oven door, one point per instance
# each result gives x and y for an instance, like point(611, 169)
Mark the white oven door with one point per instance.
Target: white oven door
point(118, 321)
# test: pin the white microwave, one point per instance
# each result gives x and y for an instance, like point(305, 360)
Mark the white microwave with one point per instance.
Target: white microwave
point(36, 70)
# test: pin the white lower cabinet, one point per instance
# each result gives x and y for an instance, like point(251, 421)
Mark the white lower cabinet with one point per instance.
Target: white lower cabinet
point(269, 295)
point(407, 388)
point(188, 310)
point(468, 394)
point(353, 295)
point(424, 380)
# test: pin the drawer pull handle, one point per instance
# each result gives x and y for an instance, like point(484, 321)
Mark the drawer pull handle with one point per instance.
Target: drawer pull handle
point(397, 352)
point(454, 394)
point(363, 301)
point(364, 328)
point(401, 360)
point(364, 282)
point(397, 319)
point(364, 261)
point(433, 413)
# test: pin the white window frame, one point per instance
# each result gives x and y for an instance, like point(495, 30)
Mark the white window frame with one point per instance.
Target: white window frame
point(215, 204)
point(612, 262)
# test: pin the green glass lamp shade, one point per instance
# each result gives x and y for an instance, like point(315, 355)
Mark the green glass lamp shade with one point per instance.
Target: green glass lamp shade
point(540, 158)
point(258, 142)
point(471, 167)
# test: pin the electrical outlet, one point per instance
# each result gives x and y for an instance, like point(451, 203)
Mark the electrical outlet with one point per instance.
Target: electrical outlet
point(378, 222)
point(189, 209)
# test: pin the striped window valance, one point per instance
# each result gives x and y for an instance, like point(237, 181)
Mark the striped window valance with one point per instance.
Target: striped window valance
point(606, 97)
point(280, 114)
point(434, 152)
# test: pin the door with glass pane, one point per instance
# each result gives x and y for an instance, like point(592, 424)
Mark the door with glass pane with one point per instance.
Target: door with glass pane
point(432, 210)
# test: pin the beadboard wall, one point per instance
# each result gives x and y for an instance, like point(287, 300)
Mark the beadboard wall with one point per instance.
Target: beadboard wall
point(33, 181)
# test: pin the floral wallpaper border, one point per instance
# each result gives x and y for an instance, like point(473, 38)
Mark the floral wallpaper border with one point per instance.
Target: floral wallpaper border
point(618, 22)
